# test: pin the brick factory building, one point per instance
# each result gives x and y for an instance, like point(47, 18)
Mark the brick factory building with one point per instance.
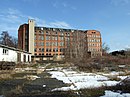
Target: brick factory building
point(45, 43)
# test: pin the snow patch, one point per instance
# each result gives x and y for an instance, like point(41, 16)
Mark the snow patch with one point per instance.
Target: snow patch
point(115, 94)
point(81, 80)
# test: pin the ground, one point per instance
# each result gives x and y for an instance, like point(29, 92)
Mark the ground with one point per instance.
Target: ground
point(59, 80)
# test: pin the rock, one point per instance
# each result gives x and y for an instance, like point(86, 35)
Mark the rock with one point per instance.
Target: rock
point(31, 77)
point(125, 82)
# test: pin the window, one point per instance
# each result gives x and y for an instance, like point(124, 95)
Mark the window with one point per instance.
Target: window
point(47, 43)
point(67, 38)
point(41, 43)
point(42, 49)
point(35, 44)
point(39, 49)
point(47, 37)
point(42, 32)
point(5, 52)
point(35, 50)
point(42, 37)
point(53, 38)
point(68, 34)
point(61, 38)
point(55, 44)
point(46, 32)
point(61, 43)
point(39, 38)
point(47, 50)
point(61, 49)
point(62, 33)
point(55, 50)
point(56, 38)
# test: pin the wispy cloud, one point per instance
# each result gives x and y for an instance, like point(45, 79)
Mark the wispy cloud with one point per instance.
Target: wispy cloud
point(65, 4)
point(11, 19)
point(60, 24)
point(120, 2)
point(128, 13)
point(61, 5)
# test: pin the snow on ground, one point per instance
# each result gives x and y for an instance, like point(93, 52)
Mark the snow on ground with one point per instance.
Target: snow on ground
point(114, 73)
point(115, 94)
point(81, 80)
point(122, 77)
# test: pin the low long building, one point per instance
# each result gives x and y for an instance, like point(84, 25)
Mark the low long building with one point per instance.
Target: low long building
point(45, 42)
point(10, 54)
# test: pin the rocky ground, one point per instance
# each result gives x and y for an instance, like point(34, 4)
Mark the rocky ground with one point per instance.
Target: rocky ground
point(38, 81)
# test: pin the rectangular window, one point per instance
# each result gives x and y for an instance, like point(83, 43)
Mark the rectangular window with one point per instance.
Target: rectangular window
point(35, 44)
point(61, 49)
point(42, 32)
point(47, 37)
point(55, 44)
point(42, 37)
point(5, 52)
point(47, 43)
point(39, 38)
point(61, 38)
point(62, 33)
point(42, 49)
point(35, 50)
point(56, 33)
point(41, 43)
point(39, 49)
point(56, 38)
point(47, 50)
point(61, 43)
point(46, 32)
point(55, 50)
point(53, 38)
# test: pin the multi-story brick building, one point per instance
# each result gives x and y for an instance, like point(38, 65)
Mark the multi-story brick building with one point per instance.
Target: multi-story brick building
point(94, 42)
point(45, 42)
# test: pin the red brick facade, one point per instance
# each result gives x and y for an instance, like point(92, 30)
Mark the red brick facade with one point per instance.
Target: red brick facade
point(52, 41)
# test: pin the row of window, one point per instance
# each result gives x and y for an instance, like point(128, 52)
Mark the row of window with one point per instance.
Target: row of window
point(94, 40)
point(49, 38)
point(96, 44)
point(48, 50)
point(95, 36)
point(55, 33)
point(62, 38)
point(47, 54)
point(49, 44)
point(96, 54)
point(94, 49)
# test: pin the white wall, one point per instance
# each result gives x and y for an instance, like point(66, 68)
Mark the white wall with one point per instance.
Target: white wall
point(10, 56)
point(22, 57)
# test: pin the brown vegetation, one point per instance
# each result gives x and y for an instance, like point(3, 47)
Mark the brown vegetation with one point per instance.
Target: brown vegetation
point(104, 63)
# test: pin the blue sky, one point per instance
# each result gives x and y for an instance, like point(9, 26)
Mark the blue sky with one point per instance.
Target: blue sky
point(110, 17)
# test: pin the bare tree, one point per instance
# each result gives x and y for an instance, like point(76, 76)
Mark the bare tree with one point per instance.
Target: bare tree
point(105, 48)
point(76, 46)
point(8, 40)
point(127, 52)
